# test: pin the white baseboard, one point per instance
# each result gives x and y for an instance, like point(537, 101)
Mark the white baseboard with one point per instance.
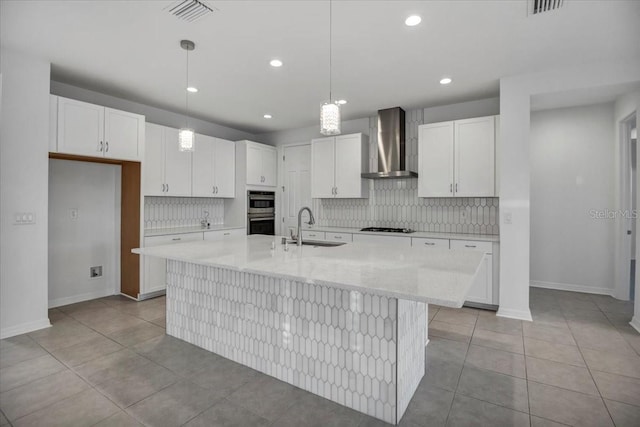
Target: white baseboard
point(635, 322)
point(24, 328)
point(572, 287)
point(514, 314)
point(142, 297)
point(58, 302)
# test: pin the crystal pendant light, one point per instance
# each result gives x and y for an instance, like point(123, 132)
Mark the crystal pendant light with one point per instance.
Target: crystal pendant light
point(330, 110)
point(186, 135)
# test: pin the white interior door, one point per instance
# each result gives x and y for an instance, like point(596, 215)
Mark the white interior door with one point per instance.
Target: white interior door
point(297, 185)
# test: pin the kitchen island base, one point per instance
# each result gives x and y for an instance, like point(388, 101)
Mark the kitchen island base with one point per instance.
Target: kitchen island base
point(359, 349)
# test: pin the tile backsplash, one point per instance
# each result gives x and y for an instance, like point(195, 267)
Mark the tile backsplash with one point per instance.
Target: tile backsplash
point(395, 203)
point(172, 212)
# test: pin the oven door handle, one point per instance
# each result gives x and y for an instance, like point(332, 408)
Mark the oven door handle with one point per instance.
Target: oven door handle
point(265, 218)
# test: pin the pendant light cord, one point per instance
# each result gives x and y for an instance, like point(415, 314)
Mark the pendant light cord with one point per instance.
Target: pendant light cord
point(185, 89)
point(330, 46)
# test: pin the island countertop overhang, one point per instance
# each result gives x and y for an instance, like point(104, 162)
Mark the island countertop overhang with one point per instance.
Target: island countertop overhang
point(431, 275)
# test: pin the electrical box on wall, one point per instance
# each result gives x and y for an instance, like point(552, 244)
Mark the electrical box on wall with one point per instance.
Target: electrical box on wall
point(95, 272)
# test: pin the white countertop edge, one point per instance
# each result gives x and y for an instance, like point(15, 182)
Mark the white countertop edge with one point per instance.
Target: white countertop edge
point(417, 234)
point(371, 290)
point(188, 230)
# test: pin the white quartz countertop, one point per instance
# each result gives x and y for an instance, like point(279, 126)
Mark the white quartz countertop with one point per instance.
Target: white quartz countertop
point(427, 234)
point(431, 275)
point(187, 230)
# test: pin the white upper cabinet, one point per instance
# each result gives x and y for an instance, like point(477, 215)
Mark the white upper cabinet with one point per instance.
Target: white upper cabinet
point(213, 167)
point(475, 157)
point(323, 152)
point(92, 130)
point(166, 169)
point(336, 167)
point(435, 160)
point(261, 164)
point(457, 158)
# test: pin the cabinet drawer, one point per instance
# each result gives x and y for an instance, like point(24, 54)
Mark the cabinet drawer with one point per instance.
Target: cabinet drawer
point(339, 237)
point(171, 239)
point(376, 238)
point(223, 234)
point(313, 235)
point(430, 243)
point(486, 247)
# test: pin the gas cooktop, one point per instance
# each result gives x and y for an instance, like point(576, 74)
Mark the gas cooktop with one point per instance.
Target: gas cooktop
point(388, 230)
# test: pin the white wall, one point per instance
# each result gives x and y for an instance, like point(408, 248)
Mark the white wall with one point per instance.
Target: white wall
point(152, 114)
point(572, 173)
point(306, 134)
point(462, 110)
point(92, 239)
point(24, 130)
point(515, 111)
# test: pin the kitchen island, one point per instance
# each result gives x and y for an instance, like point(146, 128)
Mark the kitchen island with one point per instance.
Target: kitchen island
point(348, 323)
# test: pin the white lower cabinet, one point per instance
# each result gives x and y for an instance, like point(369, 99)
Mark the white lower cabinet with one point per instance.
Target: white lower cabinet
point(312, 235)
point(376, 238)
point(339, 237)
point(482, 291)
point(417, 242)
point(155, 269)
point(224, 234)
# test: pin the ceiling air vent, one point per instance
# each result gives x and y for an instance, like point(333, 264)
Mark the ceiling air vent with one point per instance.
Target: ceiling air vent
point(189, 10)
point(541, 6)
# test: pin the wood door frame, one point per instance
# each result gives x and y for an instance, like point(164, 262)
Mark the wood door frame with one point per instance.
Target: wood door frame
point(130, 225)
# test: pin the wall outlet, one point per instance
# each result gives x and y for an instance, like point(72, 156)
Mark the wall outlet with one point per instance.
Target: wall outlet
point(508, 218)
point(95, 272)
point(73, 214)
point(24, 218)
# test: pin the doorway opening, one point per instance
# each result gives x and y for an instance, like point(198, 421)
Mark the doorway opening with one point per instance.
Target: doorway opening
point(628, 141)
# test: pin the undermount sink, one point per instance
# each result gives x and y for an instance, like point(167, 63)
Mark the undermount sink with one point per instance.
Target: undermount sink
point(318, 243)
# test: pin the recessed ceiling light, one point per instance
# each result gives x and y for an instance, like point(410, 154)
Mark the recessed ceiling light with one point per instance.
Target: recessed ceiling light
point(445, 81)
point(267, 116)
point(275, 63)
point(341, 101)
point(192, 89)
point(412, 21)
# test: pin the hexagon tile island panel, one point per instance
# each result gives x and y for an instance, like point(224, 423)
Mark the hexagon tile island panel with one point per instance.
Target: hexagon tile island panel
point(361, 350)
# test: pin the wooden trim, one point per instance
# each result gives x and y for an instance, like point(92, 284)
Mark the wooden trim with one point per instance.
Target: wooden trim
point(129, 218)
point(130, 230)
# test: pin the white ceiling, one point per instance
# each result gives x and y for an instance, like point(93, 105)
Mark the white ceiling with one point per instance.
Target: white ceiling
point(131, 49)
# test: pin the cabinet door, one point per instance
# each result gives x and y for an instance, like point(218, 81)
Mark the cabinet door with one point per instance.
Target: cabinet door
point(123, 134)
point(348, 166)
point(435, 160)
point(153, 162)
point(224, 168)
point(203, 167)
point(80, 128)
point(482, 289)
point(475, 157)
point(323, 168)
point(269, 166)
point(177, 166)
point(254, 165)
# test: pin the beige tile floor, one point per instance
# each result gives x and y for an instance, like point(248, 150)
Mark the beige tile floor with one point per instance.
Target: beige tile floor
point(108, 362)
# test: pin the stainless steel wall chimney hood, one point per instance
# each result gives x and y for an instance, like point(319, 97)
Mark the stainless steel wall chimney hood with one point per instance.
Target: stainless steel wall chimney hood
point(391, 152)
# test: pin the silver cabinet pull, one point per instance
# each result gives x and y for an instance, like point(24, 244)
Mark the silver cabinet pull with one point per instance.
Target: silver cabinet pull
point(337, 237)
point(456, 187)
point(163, 187)
point(177, 238)
point(470, 246)
point(312, 235)
point(100, 146)
point(167, 188)
point(227, 234)
point(106, 149)
point(429, 243)
point(217, 191)
point(451, 188)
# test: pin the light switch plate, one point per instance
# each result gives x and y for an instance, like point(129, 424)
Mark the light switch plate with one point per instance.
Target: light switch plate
point(24, 218)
